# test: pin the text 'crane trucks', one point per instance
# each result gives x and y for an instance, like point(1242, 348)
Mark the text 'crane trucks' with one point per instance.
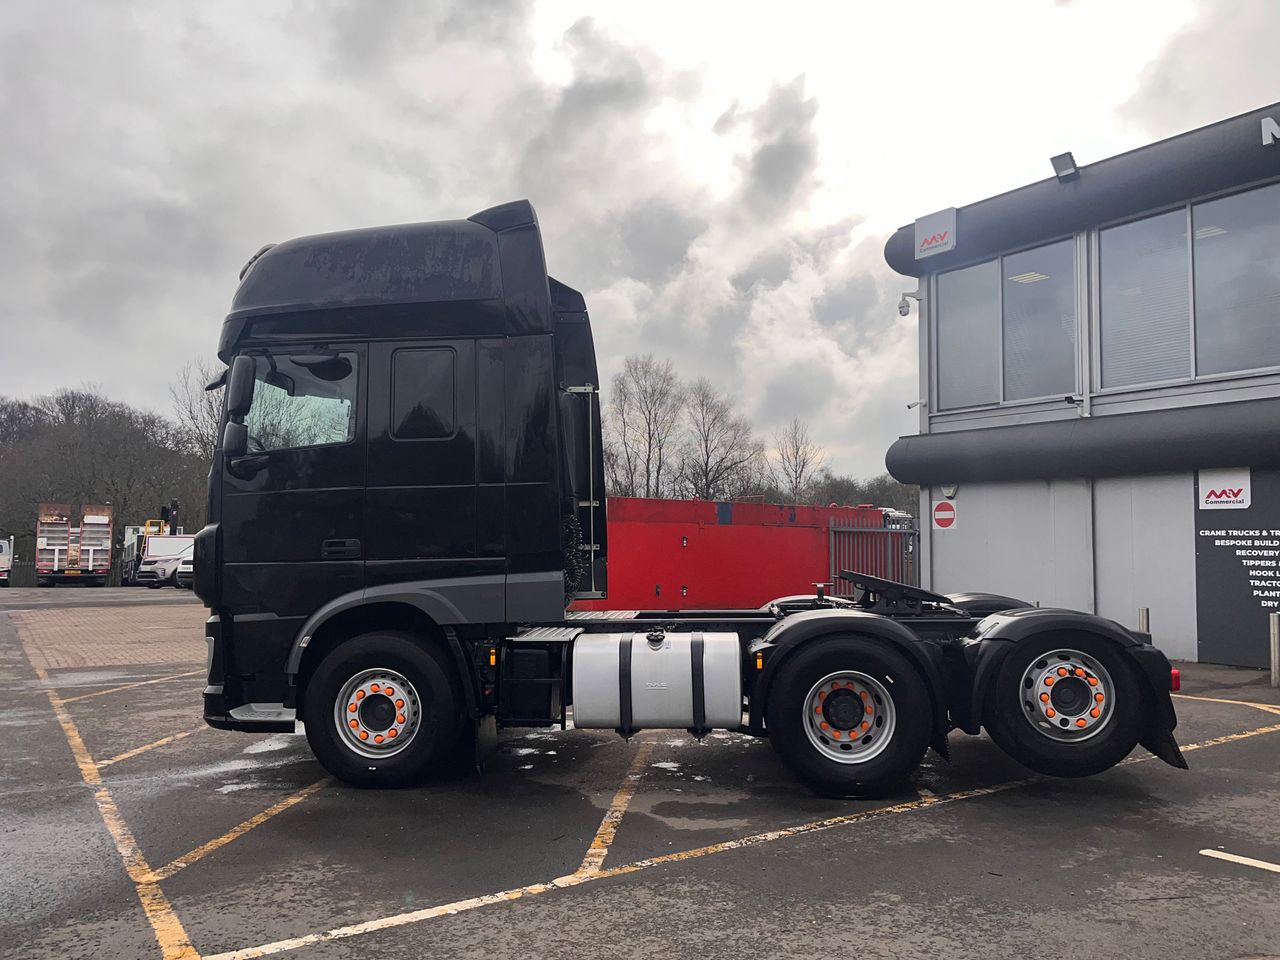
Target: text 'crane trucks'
point(408, 493)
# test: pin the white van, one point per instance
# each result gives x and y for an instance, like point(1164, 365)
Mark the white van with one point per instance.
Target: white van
point(6, 560)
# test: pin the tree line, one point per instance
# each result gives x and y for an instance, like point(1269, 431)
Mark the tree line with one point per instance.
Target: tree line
point(78, 446)
point(668, 438)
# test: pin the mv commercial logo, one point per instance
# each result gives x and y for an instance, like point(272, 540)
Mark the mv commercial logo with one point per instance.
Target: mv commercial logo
point(936, 233)
point(1225, 489)
point(1270, 131)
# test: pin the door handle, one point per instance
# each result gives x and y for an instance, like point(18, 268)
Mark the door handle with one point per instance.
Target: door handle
point(340, 550)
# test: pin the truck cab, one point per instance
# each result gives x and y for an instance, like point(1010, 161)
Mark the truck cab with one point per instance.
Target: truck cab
point(412, 421)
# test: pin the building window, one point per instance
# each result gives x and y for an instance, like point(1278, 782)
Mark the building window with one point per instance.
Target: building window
point(1039, 308)
point(1010, 321)
point(423, 393)
point(1236, 257)
point(1145, 323)
point(969, 336)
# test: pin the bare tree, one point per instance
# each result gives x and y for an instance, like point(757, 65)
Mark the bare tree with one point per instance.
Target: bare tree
point(644, 411)
point(719, 456)
point(198, 411)
point(797, 459)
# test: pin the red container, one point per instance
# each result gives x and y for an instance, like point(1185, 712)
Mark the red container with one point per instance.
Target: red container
point(698, 554)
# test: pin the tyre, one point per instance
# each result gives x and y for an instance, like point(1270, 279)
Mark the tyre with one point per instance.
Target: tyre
point(1066, 705)
point(383, 710)
point(850, 716)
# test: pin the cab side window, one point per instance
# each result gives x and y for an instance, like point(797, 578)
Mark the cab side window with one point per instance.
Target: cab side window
point(424, 394)
point(303, 400)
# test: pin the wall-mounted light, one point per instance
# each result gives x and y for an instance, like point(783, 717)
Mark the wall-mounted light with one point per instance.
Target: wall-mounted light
point(949, 490)
point(1064, 167)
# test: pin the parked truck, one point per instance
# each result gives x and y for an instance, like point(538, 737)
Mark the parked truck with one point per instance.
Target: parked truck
point(6, 560)
point(73, 545)
point(408, 492)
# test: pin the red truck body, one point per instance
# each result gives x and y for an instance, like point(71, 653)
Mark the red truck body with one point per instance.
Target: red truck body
point(700, 554)
point(65, 552)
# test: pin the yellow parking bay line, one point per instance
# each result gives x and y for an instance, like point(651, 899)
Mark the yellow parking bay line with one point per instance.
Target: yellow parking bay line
point(1269, 707)
point(608, 828)
point(1246, 861)
point(236, 832)
point(163, 741)
point(130, 686)
point(172, 937)
point(926, 801)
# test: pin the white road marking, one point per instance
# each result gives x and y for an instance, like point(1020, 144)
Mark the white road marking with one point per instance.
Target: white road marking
point(1245, 861)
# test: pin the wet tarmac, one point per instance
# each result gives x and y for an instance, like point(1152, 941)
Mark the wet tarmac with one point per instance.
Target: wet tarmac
point(718, 852)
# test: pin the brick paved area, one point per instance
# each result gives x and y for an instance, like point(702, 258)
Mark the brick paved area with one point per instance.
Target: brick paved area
point(107, 636)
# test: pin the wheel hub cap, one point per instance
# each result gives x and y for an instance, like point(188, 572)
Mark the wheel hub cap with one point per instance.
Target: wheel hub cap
point(377, 712)
point(849, 717)
point(1067, 695)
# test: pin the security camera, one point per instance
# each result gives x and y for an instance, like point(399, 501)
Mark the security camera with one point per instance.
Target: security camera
point(904, 307)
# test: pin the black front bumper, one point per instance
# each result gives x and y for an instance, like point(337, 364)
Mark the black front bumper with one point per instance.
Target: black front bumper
point(219, 695)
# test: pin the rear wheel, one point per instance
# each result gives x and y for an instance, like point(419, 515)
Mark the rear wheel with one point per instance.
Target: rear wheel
point(1066, 705)
point(383, 710)
point(850, 716)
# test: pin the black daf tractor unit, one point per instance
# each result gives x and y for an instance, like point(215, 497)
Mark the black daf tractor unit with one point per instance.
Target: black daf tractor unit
point(408, 494)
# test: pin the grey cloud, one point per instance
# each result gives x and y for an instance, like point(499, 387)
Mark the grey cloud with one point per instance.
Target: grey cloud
point(656, 238)
point(1190, 84)
point(770, 268)
point(153, 152)
point(804, 390)
point(780, 168)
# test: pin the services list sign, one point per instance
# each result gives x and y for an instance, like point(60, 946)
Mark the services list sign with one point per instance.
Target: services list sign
point(1237, 563)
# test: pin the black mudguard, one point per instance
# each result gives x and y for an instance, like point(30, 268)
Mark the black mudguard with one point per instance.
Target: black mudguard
point(998, 634)
point(789, 634)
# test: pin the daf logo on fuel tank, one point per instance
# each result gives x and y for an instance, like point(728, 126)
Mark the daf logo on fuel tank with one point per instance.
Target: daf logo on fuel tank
point(936, 233)
point(1225, 489)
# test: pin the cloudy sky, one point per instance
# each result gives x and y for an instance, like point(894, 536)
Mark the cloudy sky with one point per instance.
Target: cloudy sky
point(717, 178)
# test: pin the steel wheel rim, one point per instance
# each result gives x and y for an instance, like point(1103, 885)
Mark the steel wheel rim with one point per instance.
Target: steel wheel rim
point(841, 731)
point(1067, 696)
point(373, 722)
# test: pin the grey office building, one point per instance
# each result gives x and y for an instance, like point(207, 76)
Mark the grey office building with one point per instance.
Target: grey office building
point(1100, 386)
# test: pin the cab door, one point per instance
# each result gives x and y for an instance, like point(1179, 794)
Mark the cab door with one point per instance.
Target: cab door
point(421, 501)
point(292, 505)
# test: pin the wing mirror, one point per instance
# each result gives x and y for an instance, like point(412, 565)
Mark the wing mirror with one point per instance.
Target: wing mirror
point(240, 388)
point(235, 440)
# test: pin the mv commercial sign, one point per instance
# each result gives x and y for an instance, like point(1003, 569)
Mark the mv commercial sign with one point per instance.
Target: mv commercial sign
point(936, 233)
point(1237, 563)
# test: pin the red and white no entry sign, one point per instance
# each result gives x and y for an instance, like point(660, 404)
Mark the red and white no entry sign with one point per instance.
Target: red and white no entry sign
point(944, 515)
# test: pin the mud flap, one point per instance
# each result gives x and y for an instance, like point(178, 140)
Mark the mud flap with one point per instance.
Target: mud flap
point(940, 746)
point(1161, 743)
point(479, 743)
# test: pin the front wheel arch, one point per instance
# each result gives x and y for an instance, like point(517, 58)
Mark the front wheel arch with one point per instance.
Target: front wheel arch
point(385, 616)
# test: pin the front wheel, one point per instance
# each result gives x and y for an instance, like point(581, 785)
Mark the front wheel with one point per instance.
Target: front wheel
point(1066, 705)
point(850, 716)
point(383, 710)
